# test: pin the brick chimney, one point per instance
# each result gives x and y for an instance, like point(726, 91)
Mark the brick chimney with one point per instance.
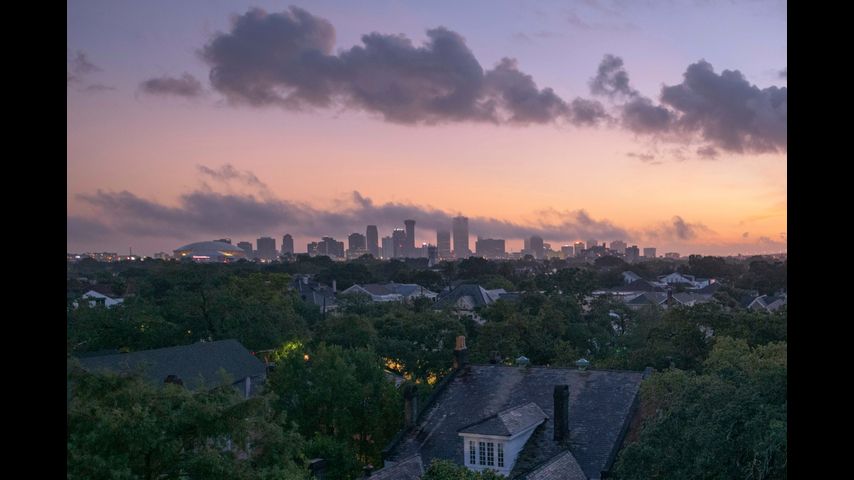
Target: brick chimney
point(561, 414)
point(461, 353)
point(410, 405)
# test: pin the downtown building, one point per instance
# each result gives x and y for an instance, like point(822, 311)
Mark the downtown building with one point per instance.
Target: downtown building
point(490, 248)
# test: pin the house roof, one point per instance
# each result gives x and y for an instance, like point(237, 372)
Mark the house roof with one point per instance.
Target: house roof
point(562, 466)
point(648, 298)
point(600, 406)
point(407, 469)
point(509, 422)
point(639, 286)
point(480, 296)
point(197, 364)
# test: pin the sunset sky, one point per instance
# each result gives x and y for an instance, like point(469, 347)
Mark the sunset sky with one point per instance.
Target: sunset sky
point(660, 123)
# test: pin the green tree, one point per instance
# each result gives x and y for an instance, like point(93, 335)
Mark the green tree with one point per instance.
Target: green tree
point(122, 427)
point(727, 422)
point(339, 393)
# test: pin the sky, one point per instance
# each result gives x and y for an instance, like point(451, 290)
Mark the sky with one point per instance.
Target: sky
point(660, 123)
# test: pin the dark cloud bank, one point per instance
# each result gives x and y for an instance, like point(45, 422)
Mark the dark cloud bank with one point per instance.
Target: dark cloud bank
point(286, 59)
point(184, 86)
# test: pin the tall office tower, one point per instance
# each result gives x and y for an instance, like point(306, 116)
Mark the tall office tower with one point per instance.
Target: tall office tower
point(247, 247)
point(356, 241)
point(649, 252)
point(618, 246)
point(567, 251)
point(409, 251)
point(373, 241)
point(388, 248)
point(267, 248)
point(330, 247)
point(443, 243)
point(579, 249)
point(632, 254)
point(398, 239)
point(489, 247)
point(535, 245)
point(591, 244)
point(311, 248)
point(461, 237)
point(287, 244)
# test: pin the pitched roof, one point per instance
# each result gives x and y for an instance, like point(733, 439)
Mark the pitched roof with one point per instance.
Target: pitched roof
point(509, 422)
point(194, 364)
point(648, 298)
point(600, 407)
point(407, 469)
point(639, 286)
point(479, 296)
point(562, 466)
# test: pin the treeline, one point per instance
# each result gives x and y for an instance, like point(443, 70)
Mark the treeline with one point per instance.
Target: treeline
point(330, 396)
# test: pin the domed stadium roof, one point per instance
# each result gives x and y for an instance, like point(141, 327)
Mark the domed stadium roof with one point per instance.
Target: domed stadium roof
point(211, 250)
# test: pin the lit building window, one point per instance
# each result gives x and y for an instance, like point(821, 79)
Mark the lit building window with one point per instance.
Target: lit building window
point(482, 450)
point(471, 452)
point(490, 454)
point(500, 454)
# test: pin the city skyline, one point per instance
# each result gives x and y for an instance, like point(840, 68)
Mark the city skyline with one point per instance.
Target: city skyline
point(609, 141)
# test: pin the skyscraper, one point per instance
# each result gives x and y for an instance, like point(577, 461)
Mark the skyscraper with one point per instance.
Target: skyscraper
point(490, 247)
point(409, 251)
point(356, 245)
point(649, 252)
point(461, 237)
point(373, 241)
point(247, 247)
point(388, 248)
point(567, 251)
point(535, 244)
point(443, 243)
point(632, 253)
point(356, 241)
point(398, 239)
point(579, 249)
point(287, 244)
point(267, 248)
point(618, 246)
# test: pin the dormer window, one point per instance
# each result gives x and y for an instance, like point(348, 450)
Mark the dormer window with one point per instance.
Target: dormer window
point(494, 442)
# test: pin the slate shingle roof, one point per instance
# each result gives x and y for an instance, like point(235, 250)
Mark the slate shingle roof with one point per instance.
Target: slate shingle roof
point(407, 469)
point(600, 407)
point(480, 296)
point(562, 467)
point(191, 363)
point(509, 422)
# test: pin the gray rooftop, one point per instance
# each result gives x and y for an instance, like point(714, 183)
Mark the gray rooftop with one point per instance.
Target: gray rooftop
point(600, 407)
point(191, 363)
point(407, 469)
point(562, 467)
point(509, 422)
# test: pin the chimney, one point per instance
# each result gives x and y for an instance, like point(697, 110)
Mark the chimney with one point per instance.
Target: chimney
point(561, 413)
point(317, 467)
point(334, 286)
point(410, 405)
point(461, 353)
